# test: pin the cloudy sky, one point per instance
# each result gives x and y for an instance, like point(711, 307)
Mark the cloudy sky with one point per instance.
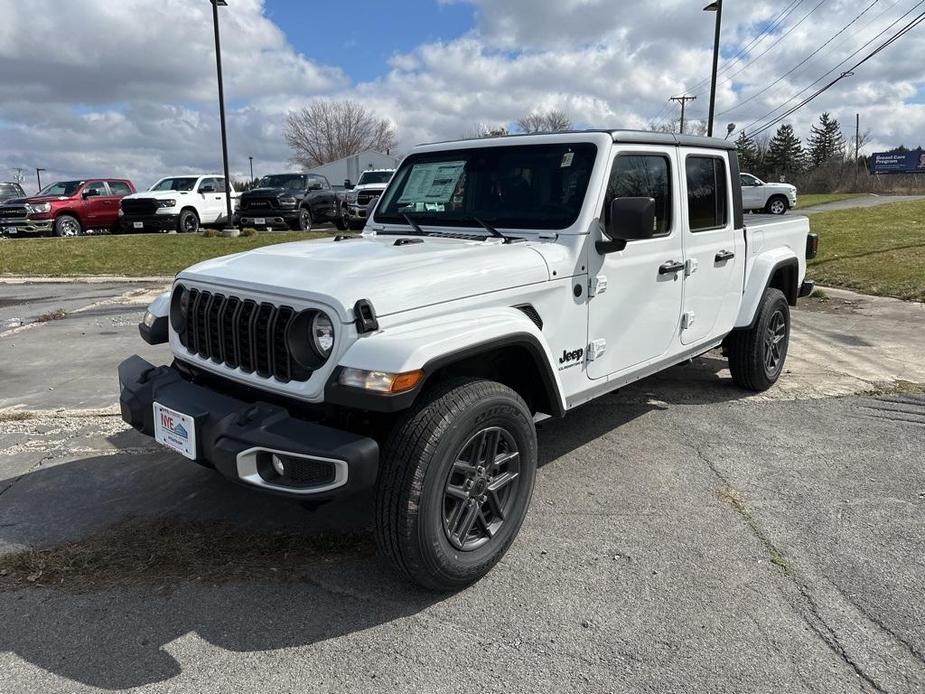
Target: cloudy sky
point(96, 87)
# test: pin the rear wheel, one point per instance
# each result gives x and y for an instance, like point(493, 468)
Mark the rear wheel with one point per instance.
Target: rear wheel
point(777, 205)
point(456, 480)
point(340, 221)
point(757, 355)
point(187, 222)
point(67, 225)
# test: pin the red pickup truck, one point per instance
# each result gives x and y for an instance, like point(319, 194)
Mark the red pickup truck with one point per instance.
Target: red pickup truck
point(67, 208)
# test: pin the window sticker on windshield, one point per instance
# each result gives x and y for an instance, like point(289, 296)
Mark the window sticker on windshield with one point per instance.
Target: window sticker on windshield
point(432, 183)
point(567, 160)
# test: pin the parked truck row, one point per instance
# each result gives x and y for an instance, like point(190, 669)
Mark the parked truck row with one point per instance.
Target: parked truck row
point(185, 204)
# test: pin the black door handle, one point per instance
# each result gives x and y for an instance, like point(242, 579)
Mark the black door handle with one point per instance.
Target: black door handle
point(671, 267)
point(723, 256)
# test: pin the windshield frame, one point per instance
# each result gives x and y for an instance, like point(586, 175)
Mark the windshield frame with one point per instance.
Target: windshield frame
point(465, 220)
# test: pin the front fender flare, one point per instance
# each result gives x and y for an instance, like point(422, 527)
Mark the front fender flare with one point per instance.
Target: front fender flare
point(435, 343)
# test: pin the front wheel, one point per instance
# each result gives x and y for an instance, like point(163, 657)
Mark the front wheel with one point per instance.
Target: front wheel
point(66, 225)
point(187, 222)
point(778, 205)
point(757, 355)
point(340, 221)
point(456, 480)
point(305, 220)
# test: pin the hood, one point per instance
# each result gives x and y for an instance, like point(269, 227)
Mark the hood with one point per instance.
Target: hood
point(394, 278)
point(34, 199)
point(370, 186)
point(158, 195)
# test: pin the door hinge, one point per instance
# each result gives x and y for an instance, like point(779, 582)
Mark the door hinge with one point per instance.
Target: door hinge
point(598, 285)
point(596, 349)
point(690, 266)
point(687, 320)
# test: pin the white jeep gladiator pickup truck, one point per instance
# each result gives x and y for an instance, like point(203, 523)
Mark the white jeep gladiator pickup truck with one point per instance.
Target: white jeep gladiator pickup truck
point(177, 203)
point(499, 282)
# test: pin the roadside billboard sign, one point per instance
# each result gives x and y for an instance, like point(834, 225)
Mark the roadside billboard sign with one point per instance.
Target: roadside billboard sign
point(908, 162)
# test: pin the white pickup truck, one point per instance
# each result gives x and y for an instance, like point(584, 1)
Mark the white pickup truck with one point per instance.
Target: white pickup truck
point(500, 281)
point(773, 198)
point(177, 203)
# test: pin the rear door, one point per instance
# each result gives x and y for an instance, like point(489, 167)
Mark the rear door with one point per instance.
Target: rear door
point(712, 264)
point(637, 315)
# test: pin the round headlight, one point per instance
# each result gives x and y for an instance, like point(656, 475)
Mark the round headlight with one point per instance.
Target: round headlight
point(179, 308)
point(322, 330)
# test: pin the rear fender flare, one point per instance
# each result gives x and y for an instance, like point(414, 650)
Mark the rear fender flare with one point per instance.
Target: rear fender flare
point(759, 279)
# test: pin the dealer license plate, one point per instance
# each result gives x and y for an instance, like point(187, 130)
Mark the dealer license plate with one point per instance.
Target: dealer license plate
point(139, 225)
point(260, 222)
point(175, 430)
point(11, 230)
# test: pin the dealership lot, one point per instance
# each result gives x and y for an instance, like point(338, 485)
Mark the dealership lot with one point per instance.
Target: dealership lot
point(682, 536)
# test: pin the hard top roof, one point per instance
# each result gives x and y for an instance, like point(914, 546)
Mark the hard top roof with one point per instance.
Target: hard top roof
point(643, 137)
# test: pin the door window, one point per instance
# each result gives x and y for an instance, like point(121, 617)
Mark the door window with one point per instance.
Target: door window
point(707, 197)
point(119, 188)
point(208, 182)
point(98, 186)
point(642, 176)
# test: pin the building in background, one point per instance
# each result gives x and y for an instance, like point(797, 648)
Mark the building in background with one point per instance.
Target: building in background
point(350, 168)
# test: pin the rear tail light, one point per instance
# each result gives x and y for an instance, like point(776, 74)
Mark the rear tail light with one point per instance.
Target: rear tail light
point(812, 246)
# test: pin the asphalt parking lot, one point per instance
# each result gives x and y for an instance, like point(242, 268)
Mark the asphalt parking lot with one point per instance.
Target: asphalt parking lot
point(682, 536)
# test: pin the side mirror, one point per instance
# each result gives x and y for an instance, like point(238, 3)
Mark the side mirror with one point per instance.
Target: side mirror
point(348, 184)
point(208, 188)
point(92, 193)
point(631, 219)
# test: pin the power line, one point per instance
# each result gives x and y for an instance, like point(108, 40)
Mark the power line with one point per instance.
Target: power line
point(807, 88)
point(772, 26)
point(802, 62)
point(848, 73)
point(774, 45)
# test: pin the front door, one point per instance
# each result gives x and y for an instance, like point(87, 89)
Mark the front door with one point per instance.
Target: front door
point(212, 199)
point(713, 266)
point(638, 314)
point(98, 205)
point(752, 195)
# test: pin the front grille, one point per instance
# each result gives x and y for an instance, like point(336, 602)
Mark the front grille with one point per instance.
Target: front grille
point(12, 212)
point(364, 197)
point(139, 206)
point(241, 333)
point(259, 203)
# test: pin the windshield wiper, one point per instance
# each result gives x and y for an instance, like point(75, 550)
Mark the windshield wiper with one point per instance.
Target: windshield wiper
point(414, 225)
point(490, 229)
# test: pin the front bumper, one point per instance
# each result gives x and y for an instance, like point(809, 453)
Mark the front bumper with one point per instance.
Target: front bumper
point(356, 212)
point(272, 218)
point(232, 434)
point(149, 222)
point(26, 226)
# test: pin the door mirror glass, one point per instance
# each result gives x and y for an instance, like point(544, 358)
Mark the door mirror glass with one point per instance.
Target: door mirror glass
point(91, 193)
point(348, 184)
point(207, 188)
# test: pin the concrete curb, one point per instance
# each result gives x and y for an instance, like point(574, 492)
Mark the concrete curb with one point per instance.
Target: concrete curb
point(91, 279)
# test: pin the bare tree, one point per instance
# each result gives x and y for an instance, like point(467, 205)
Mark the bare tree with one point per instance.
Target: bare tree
point(552, 121)
point(331, 129)
point(478, 130)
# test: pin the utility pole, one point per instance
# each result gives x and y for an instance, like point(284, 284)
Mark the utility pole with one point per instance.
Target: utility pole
point(683, 101)
point(221, 107)
point(252, 168)
point(38, 176)
point(857, 148)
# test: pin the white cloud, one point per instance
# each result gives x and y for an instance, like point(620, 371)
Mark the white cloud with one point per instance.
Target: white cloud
point(129, 87)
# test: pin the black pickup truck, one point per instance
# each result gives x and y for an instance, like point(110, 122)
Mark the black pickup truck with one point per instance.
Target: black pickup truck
point(289, 201)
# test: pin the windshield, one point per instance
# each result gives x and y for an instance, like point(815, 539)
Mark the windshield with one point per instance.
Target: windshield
point(64, 189)
point(370, 177)
point(515, 187)
point(186, 183)
point(10, 190)
point(288, 181)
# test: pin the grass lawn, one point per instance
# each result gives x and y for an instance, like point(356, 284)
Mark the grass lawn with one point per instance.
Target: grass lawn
point(804, 201)
point(878, 250)
point(137, 256)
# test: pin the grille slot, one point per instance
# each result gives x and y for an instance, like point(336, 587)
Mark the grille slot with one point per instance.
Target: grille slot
point(140, 206)
point(241, 333)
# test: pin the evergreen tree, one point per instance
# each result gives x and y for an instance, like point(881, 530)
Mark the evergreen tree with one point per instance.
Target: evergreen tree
point(785, 153)
point(749, 156)
point(826, 142)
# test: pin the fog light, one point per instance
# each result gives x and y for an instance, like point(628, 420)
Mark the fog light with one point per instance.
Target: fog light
point(279, 466)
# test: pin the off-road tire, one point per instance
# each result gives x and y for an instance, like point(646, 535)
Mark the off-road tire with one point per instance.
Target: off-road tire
point(340, 221)
point(67, 225)
point(415, 470)
point(777, 205)
point(305, 220)
point(187, 222)
point(748, 349)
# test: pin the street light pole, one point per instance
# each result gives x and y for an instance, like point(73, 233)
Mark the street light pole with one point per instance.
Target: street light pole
point(252, 168)
point(221, 106)
point(716, 7)
point(38, 175)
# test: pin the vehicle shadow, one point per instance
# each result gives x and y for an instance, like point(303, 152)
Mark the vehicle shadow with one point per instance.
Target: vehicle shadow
point(133, 634)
